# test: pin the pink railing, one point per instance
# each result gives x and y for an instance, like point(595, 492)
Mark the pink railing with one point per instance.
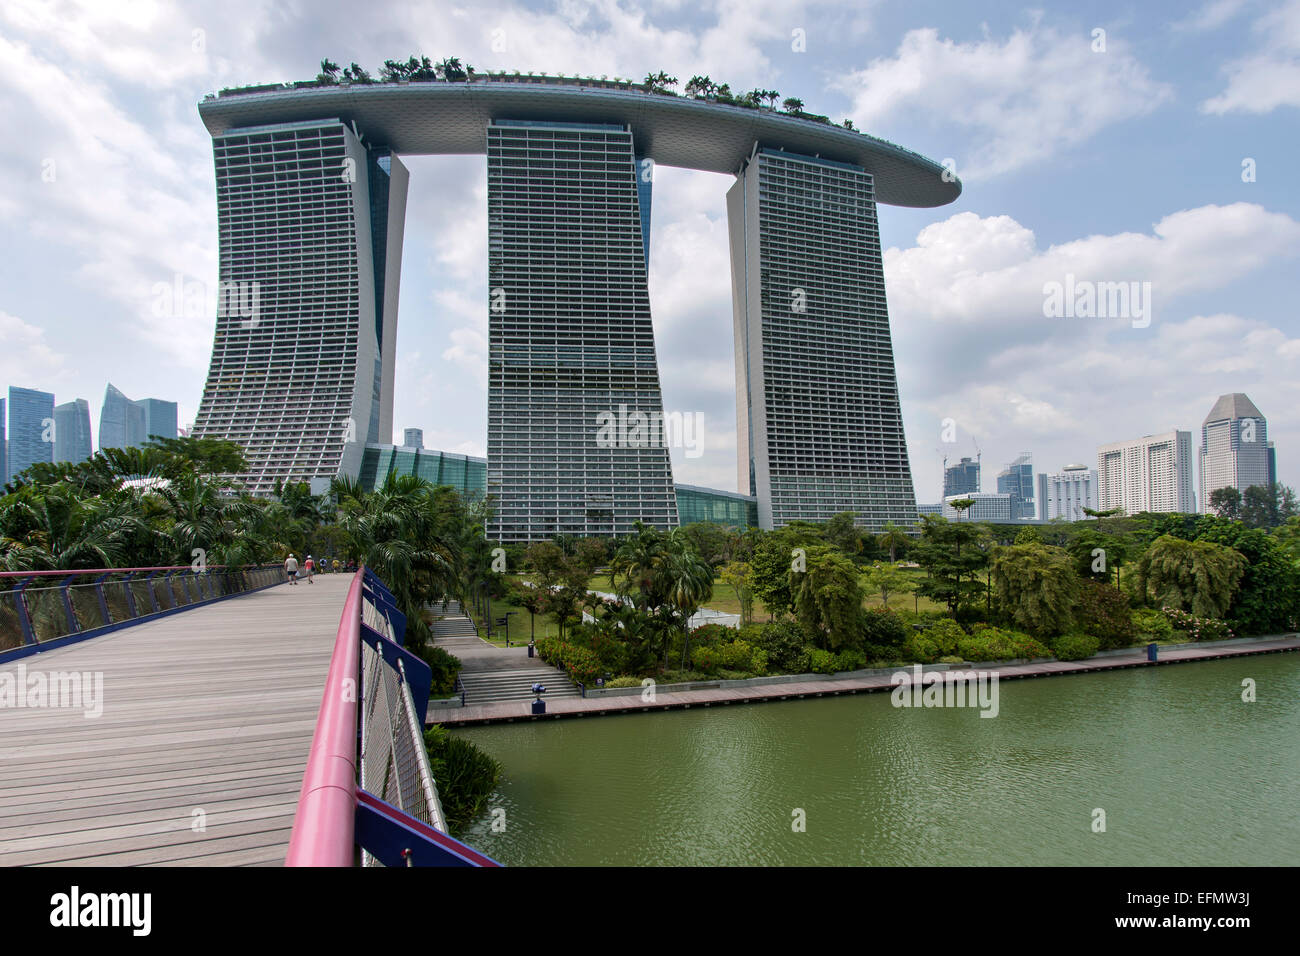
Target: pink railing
point(323, 829)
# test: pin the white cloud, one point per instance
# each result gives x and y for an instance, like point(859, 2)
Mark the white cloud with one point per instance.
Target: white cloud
point(1024, 99)
point(27, 359)
point(1269, 77)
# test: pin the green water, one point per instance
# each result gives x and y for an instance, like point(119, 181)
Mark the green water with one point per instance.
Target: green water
point(1186, 772)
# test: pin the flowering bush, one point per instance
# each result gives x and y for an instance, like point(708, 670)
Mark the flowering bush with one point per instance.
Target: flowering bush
point(581, 663)
point(1198, 628)
point(706, 659)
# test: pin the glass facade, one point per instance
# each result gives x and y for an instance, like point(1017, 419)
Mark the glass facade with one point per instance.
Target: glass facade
point(72, 431)
point(820, 429)
point(720, 507)
point(466, 474)
point(570, 339)
point(121, 421)
point(962, 478)
point(159, 418)
point(31, 428)
point(1017, 480)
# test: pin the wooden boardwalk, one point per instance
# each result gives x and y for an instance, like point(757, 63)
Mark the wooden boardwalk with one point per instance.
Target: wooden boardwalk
point(795, 690)
point(198, 755)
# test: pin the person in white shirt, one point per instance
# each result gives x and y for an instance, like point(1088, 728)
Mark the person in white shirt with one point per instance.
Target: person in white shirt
point(291, 569)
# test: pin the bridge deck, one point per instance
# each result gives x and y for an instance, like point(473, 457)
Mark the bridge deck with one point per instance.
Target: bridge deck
point(207, 710)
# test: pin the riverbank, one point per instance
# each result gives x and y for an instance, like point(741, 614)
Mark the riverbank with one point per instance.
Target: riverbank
point(725, 693)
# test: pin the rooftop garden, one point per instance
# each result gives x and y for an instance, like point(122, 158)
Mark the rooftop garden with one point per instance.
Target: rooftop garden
point(451, 70)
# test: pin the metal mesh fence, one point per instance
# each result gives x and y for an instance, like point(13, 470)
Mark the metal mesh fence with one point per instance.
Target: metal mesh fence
point(394, 761)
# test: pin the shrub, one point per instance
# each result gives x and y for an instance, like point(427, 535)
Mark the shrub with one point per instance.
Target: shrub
point(711, 635)
point(624, 682)
point(1107, 613)
point(683, 677)
point(465, 775)
point(952, 658)
point(1074, 647)
point(820, 661)
point(706, 659)
point(783, 642)
point(989, 643)
point(1198, 628)
point(938, 640)
point(884, 628)
point(737, 656)
point(758, 662)
point(851, 659)
point(1152, 625)
point(445, 667)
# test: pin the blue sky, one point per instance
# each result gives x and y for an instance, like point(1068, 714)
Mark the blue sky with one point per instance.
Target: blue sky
point(1114, 164)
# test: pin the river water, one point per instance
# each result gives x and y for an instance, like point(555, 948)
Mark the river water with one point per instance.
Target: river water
point(1184, 770)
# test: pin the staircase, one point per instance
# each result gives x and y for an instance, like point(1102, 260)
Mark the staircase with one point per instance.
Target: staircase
point(455, 629)
point(500, 686)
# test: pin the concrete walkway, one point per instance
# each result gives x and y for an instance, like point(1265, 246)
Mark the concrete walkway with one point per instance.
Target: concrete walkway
point(199, 752)
point(831, 687)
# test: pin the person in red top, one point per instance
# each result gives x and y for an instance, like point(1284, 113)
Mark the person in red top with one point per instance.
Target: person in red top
point(309, 566)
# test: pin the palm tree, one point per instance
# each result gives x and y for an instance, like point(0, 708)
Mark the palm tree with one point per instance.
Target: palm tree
point(892, 538)
point(329, 71)
point(793, 104)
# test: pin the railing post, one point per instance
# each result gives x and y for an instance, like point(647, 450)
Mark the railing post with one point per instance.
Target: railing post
point(103, 602)
point(130, 595)
point(74, 627)
point(24, 615)
point(153, 597)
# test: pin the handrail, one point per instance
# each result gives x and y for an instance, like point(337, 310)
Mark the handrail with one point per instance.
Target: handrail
point(162, 567)
point(323, 828)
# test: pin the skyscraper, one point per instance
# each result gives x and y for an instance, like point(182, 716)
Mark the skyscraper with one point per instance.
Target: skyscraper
point(1064, 494)
point(309, 223)
point(72, 442)
point(1153, 473)
point(569, 333)
point(121, 421)
point(159, 418)
point(962, 478)
point(819, 425)
point(4, 446)
point(1017, 480)
point(31, 428)
point(1235, 450)
point(413, 438)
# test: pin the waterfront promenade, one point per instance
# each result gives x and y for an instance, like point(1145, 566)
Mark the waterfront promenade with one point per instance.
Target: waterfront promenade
point(716, 693)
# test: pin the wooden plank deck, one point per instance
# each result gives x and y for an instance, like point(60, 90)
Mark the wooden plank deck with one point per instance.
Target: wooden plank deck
point(211, 709)
point(794, 690)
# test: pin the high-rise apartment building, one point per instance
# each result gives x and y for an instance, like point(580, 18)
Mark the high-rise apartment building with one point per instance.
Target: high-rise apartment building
point(4, 446)
point(1153, 473)
point(309, 223)
point(962, 478)
point(1064, 494)
point(72, 441)
point(570, 343)
point(1235, 450)
point(31, 428)
point(1017, 480)
point(819, 425)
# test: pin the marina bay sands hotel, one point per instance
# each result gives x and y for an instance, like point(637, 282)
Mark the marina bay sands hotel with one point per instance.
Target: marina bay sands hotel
point(311, 198)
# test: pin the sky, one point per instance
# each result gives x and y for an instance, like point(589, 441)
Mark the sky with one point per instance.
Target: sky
point(1138, 142)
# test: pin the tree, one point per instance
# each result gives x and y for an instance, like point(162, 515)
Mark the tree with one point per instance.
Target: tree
point(329, 72)
point(949, 554)
point(828, 598)
point(1036, 586)
point(893, 538)
point(841, 533)
point(1226, 503)
point(793, 104)
point(889, 579)
point(737, 574)
point(659, 82)
point(1259, 507)
point(700, 87)
point(1197, 576)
